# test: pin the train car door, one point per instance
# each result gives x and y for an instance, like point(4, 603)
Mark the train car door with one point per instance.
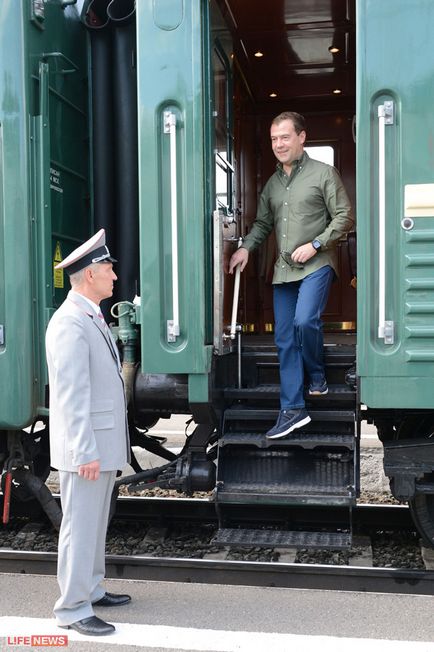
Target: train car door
point(44, 194)
point(395, 205)
point(225, 222)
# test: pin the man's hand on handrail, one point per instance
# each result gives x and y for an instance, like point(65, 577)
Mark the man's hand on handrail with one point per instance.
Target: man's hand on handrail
point(240, 256)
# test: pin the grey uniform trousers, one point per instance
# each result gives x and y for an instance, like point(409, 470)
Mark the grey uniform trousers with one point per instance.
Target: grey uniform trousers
point(81, 557)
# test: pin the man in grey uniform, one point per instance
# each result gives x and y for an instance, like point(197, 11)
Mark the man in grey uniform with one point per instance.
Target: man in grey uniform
point(89, 434)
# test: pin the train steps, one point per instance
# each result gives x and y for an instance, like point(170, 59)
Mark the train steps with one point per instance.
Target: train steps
point(338, 395)
point(251, 538)
point(308, 469)
point(316, 465)
point(262, 419)
point(254, 375)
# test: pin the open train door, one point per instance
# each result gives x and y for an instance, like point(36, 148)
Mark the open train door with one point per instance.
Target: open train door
point(395, 203)
point(44, 192)
point(221, 193)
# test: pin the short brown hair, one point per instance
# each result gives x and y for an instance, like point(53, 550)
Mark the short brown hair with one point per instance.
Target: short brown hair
point(296, 118)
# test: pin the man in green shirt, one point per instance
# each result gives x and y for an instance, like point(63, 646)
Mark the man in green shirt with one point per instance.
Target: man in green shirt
point(306, 203)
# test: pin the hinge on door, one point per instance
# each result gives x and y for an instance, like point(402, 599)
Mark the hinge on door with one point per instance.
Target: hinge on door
point(388, 112)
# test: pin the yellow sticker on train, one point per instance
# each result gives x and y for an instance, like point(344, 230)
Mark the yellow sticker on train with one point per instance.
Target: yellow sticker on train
point(58, 273)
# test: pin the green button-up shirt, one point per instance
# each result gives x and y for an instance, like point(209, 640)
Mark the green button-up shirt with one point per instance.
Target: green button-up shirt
point(310, 204)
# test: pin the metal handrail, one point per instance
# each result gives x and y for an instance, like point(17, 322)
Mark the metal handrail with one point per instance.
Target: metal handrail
point(60, 55)
point(381, 222)
point(385, 117)
point(235, 299)
point(173, 328)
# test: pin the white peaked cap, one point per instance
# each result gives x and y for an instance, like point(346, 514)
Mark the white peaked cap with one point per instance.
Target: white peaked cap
point(93, 250)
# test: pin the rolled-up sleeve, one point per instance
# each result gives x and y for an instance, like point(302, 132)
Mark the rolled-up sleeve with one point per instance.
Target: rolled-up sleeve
point(263, 224)
point(339, 208)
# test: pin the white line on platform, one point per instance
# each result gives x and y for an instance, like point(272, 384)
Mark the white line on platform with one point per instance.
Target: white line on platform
point(186, 638)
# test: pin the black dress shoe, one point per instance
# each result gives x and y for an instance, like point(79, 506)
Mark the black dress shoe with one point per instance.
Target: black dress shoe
point(112, 600)
point(92, 626)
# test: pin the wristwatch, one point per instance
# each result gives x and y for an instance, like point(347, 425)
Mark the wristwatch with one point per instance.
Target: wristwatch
point(316, 244)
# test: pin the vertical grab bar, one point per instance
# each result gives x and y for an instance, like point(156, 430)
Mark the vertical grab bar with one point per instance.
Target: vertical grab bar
point(385, 117)
point(234, 327)
point(381, 222)
point(236, 297)
point(170, 128)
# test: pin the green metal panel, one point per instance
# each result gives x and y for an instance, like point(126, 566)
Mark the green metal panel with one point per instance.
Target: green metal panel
point(16, 353)
point(170, 78)
point(58, 93)
point(43, 143)
point(393, 39)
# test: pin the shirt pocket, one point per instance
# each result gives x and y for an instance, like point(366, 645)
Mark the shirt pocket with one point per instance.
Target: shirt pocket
point(102, 416)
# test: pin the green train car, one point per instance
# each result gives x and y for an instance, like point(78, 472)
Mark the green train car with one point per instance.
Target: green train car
point(151, 119)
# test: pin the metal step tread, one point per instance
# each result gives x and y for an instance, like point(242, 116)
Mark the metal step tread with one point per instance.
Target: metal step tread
point(281, 538)
point(269, 359)
point(302, 499)
point(265, 392)
point(286, 490)
point(257, 344)
point(296, 438)
point(249, 413)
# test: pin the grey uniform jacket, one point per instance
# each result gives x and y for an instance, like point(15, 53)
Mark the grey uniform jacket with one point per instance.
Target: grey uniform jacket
point(87, 399)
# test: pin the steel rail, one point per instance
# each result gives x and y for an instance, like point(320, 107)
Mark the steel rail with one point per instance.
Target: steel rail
point(247, 573)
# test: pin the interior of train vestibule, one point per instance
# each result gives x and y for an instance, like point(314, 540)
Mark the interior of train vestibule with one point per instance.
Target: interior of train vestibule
point(284, 55)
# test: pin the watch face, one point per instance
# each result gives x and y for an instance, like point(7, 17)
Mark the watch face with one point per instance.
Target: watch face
point(316, 244)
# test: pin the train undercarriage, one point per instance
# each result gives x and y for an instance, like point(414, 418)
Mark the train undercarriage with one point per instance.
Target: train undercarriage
point(319, 465)
point(227, 453)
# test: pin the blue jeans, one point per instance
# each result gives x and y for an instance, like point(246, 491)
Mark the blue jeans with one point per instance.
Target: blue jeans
point(298, 333)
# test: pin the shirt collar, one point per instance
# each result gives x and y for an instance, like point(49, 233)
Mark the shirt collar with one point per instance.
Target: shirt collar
point(298, 163)
point(93, 305)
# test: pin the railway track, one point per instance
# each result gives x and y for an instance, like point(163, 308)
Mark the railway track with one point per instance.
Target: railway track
point(153, 519)
point(247, 573)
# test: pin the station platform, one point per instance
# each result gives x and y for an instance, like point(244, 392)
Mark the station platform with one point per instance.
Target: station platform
point(167, 616)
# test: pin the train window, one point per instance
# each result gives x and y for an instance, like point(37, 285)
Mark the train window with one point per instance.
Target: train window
point(324, 153)
point(223, 181)
point(222, 132)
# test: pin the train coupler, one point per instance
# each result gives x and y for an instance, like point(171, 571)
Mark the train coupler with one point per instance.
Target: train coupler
point(183, 475)
point(194, 475)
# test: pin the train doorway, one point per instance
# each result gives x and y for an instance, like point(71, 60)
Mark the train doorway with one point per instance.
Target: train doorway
point(286, 56)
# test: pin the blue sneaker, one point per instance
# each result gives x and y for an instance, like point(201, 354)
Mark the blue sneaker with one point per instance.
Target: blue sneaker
point(288, 421)
point(318, 389)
